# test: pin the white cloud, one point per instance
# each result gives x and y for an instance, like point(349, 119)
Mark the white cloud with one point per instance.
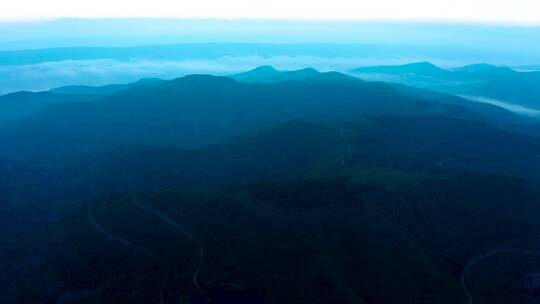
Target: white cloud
point(48, 75)
point(506, 105)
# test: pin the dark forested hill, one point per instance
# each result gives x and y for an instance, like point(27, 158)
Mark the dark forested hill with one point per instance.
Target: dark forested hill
point(199, 110)
point(22, 104)
point(278, 187)
point(317, 241)
point(302, 149)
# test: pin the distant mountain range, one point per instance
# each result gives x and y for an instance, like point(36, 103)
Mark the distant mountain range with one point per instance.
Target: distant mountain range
point(270, 74)
point(479, 80)
point(528, 68)
point(104, 90)
point(190, 51)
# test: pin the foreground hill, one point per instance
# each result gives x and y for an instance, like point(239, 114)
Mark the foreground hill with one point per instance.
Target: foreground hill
point(388, 150)
point(295, 150)
point(202, 132)
point(485, 80)
point(28, 198)
point(319, 241)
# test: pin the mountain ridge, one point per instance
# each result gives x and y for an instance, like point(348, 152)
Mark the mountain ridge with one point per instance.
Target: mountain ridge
point(482, 80)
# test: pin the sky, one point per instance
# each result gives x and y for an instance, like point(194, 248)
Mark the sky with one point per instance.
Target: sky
point(479, 11)
point(40, 39)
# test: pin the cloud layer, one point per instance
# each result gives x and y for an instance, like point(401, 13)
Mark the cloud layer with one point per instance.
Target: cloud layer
point(48, 75)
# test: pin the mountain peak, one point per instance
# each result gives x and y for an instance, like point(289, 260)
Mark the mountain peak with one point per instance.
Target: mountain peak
point(269, 74)
point(265, 69)
point(481, 67)
point(202, 79)
point(421, 64)
point(258, 74)
point(306, 70)
point(147, 80)
point(423, 67)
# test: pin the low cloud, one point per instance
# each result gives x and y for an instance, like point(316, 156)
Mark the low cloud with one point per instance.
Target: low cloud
point(518, 109)
point(48, 75)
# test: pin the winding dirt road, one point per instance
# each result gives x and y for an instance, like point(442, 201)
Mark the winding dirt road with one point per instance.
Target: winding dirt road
point(183, 231)
point(110, 237)
point(127, 243)
point(474, 261)
point(349, 149)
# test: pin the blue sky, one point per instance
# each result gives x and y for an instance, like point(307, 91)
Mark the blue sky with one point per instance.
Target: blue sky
point(488, 11)
point(127, 32)
point(448, 33)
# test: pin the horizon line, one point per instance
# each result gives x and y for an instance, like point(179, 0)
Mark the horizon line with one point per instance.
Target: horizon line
point(420, 21)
